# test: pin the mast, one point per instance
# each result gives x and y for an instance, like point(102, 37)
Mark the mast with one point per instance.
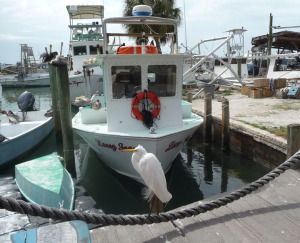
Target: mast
point(270, 38)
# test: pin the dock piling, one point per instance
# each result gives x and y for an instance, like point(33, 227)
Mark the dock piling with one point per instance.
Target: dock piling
point(55, 104)
point(293, 141)
point(62, 81)
point(207, 116)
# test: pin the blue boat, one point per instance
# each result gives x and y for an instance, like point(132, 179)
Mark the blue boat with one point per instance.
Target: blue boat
point(23, 136)
point(73, 231)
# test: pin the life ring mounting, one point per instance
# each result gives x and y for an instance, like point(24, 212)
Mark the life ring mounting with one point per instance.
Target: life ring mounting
point(145, 101)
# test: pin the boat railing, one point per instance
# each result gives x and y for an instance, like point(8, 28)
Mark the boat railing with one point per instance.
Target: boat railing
point(140, 20)
point(86, 32)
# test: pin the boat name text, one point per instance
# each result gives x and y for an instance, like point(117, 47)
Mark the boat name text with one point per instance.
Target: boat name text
point(173, 145)
point(113, 147)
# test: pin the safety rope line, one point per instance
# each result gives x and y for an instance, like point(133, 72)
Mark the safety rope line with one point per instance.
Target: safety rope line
point(23, 207)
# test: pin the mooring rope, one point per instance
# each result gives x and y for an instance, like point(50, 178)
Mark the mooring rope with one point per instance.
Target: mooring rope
point(23, 207)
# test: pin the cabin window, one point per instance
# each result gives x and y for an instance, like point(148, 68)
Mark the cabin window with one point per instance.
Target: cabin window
point(287, 64)
point(79, 50)
point(93, 50)
point(126, 81)
point(162, 80)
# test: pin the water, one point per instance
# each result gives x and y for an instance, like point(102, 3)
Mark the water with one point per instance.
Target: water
point(199, 172)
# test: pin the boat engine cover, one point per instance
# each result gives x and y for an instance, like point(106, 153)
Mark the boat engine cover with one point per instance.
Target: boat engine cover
point(26, 101)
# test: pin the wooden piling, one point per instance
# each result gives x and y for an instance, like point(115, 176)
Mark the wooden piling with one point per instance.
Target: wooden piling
point(55, 104)
point(293, 140)
point(207, 117)
point(66, 117)
point(225, 125)
point(189, 97)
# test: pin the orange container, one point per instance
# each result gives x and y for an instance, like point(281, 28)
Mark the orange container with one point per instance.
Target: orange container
point(136, 49)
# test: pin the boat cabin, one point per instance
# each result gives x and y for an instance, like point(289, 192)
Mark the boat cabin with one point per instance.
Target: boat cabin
point(85, 32)
point(157, 79)
point(138, 80)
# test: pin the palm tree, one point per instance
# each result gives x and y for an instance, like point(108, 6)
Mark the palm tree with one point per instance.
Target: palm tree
point(160, 8)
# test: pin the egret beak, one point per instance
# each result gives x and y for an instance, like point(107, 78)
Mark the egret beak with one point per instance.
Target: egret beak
point(128, 150)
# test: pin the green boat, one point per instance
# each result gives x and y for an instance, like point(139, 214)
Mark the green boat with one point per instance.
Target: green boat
point(45, 181)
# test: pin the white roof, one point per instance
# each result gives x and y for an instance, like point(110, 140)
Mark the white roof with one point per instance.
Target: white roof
point(141, 20)
point(86, 11)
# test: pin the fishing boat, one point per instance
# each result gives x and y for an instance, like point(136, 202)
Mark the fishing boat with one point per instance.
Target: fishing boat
point(142, 101)
point(45, 181)
point(23, 130)
point(26, 73)
point(85, 35)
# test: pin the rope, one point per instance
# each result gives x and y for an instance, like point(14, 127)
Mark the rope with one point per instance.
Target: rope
point(23, 207)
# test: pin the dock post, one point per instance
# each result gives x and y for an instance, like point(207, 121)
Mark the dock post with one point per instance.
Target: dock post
point(55, 104)
point(293, 140)
point(240, 67)
point(207, 116)
point(189, 97)
point(225, 125)
point(66, 116)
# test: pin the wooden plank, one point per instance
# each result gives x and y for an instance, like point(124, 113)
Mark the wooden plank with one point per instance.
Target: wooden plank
point(122, 234)
point(216, 227)
point(254, 220)
point(284, 193)
point(229, 219)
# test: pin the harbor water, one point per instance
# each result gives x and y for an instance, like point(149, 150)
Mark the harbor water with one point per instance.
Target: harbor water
point(199, 172)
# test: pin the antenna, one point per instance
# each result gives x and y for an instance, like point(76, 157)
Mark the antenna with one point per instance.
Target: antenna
point(185, 27)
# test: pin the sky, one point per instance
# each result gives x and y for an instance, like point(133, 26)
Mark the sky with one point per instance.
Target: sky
point(39, 23)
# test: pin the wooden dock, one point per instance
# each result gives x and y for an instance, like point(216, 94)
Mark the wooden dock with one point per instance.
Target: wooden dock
point(271, 214)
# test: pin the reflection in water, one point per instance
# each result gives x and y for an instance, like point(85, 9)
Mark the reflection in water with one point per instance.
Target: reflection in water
point(208, 169)
point(224, 175)
point(220, 171)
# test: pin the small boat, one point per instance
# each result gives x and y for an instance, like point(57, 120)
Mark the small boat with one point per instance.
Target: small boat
point(24, 135)
point(141, 102)
point(23, 130)
point(45, 181)
point(73, 231)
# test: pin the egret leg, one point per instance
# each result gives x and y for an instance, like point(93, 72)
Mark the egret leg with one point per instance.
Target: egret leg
point(156, 206)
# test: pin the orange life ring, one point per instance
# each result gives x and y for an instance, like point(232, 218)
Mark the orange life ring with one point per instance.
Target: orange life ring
point(155, 104)
point(136, 49)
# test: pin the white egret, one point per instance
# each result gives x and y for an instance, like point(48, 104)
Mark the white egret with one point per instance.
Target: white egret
point(149, 167)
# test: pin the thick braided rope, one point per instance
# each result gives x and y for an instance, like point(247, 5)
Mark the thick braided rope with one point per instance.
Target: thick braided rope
point(23, 207)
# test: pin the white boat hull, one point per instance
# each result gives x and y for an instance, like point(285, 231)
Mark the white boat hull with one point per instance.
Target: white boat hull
point(79, 87)
point(166, 145)
point(23, 136)
point(28, 82)
point(77, 84)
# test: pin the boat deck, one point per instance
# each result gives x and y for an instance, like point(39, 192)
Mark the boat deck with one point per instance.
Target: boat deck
point(188, 123)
